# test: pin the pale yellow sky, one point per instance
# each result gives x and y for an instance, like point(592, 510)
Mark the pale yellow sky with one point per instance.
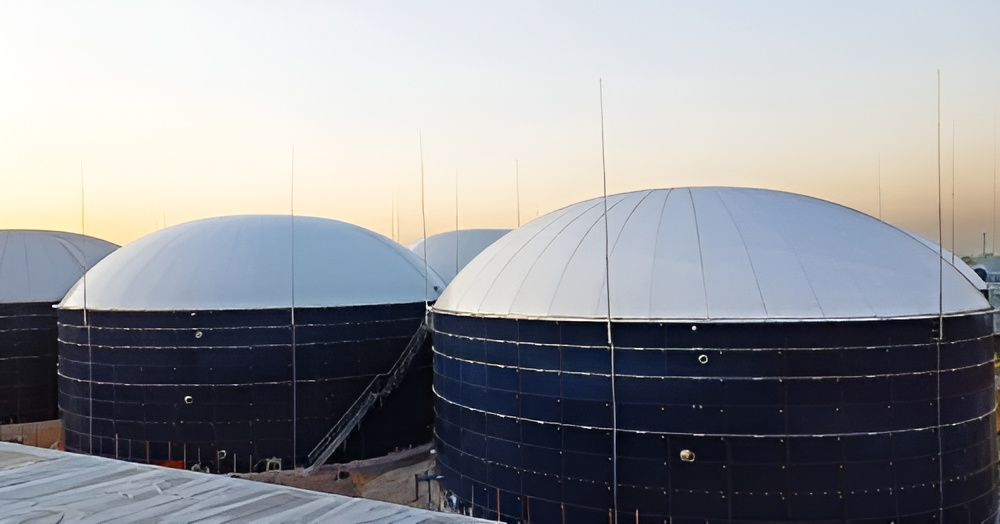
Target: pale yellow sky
point(184, 110)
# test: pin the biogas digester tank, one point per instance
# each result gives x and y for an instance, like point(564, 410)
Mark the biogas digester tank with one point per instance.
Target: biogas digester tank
point(775, 359)
point(186, 349)
point(36, 270)
point(449, 252)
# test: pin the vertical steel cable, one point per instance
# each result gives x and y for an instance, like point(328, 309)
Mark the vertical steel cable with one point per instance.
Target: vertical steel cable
point(611, 344)
point(295, 376)
point(940, 328)
point(86, 323)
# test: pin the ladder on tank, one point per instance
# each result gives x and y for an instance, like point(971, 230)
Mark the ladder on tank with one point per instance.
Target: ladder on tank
point(379, 388)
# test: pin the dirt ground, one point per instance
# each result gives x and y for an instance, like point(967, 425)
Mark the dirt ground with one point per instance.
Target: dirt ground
point(389, 478)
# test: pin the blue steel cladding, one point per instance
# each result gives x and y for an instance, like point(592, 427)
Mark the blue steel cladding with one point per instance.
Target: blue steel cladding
point(132, 371)
point(28, 355)
point(806, 422)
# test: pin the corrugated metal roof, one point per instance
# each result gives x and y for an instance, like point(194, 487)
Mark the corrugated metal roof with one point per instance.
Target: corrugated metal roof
point(709, 253)
point(42, 485)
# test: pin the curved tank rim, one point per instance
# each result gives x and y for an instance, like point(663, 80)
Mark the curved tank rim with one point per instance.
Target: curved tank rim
point(719, 320)
point(61, 307)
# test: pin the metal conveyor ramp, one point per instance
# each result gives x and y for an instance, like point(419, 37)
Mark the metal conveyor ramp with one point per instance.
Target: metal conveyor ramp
point(380, 387)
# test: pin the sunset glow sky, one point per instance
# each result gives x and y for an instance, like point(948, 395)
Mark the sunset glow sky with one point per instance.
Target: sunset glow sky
point(183, 110)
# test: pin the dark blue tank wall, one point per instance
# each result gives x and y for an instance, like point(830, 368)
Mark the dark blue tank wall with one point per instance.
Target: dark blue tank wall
point(122, 393)
point(28, 353)
point(804, 422)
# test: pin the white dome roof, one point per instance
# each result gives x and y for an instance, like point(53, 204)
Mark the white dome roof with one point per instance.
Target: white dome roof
point(448, 253)
point(40, 266)
point(967, 271)
point(710, 253)
point(245, 262)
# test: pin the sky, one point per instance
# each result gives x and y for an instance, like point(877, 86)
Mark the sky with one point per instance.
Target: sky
point(122, 118)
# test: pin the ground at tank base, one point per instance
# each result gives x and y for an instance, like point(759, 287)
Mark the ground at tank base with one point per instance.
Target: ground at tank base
point(44, 434)
point(389, 478)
